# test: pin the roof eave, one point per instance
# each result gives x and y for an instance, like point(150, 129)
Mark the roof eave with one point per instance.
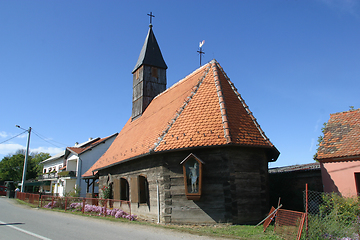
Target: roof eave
point(272, 153)
point(53, 158)
point(98, 143)
point(339, 159)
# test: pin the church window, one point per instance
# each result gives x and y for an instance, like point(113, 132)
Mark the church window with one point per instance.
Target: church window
point(139, 189)
point(124, 189)
point(121, 189)
point(143, 190)
point(192, 171)
point(154, 72)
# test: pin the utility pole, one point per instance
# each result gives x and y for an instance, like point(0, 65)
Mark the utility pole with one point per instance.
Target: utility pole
point(26, 159)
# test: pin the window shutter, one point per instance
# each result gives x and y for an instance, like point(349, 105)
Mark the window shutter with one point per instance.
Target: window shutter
point(134, 189)
point(116, 189)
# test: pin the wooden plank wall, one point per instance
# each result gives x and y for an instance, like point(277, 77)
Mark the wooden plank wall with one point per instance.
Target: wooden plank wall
point(234, 186)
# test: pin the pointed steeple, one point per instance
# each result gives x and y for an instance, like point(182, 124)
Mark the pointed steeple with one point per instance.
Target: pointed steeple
point(150, 53)
point(149, 75)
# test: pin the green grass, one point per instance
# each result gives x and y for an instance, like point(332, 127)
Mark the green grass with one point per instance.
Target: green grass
point(219, 230)
point(229, 231)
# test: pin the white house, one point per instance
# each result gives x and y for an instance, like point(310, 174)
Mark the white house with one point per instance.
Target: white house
point(51, 167)
point(64, 170)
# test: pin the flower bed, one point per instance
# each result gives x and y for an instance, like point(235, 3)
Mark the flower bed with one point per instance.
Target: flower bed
point(50, 205)
point(117, 213)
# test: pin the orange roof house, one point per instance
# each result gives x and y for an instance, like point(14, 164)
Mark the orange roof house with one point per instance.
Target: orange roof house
point(197, 142)
point(339, 153)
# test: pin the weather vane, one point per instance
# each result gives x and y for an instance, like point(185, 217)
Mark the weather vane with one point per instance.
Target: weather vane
point(200, 51)
point(151, 16)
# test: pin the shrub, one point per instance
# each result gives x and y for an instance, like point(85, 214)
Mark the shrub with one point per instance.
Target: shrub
point(106, 192)
point(74, 193)
point(337, 218)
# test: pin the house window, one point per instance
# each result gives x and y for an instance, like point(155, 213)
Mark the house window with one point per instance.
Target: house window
point(44, 170)
point(124, 189)
point(192, 171)
point(357, 183)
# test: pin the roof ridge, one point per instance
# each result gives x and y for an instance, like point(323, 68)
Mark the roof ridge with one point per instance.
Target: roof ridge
point(144, 117)
point(181, 80)
point(135, 122)
point(223, 110)
point(262, 133)
point(345, 112)
point(187, 100)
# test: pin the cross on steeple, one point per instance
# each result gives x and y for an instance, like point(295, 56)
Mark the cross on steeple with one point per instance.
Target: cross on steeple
point(201, 51)
point(151, 16)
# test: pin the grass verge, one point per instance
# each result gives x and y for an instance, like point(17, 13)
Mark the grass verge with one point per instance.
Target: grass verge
point(217, 230)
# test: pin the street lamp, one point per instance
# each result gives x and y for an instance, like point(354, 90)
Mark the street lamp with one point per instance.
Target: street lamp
point(26, 158)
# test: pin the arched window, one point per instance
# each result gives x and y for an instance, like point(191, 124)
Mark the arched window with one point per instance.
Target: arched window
point(139, 189)
point(124, 189)
point(143, 190)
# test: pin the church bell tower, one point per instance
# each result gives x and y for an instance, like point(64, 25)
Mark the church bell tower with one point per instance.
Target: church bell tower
point(149, 75)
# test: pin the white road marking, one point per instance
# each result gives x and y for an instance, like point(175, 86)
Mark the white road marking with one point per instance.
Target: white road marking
point(25, 231)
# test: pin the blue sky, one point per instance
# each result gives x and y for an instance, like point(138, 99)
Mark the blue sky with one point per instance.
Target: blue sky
point(65, 66)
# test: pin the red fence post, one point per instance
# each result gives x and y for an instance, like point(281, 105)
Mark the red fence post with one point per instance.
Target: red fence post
point(83, 205)
point(38, 199)
point(105, 207)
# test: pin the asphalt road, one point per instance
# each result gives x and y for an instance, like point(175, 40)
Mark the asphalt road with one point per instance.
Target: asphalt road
point(22, 222)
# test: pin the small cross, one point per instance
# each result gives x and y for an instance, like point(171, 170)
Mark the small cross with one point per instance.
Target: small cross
point(151, 16)
point(201, 51)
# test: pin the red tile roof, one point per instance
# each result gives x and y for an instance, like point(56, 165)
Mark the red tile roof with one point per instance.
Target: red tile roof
point(341, 136)
point(203, 109)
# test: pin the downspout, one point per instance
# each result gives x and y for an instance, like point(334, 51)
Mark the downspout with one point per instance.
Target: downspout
point(158, 200)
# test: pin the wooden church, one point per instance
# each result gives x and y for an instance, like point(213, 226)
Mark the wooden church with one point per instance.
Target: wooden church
point(191, 153)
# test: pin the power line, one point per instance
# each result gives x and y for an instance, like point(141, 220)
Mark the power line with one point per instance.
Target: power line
point(44, 138)
point(14, 137)
point(39, 136)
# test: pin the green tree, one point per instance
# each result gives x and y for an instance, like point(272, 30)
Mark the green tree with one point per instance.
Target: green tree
point(11, 166)
point(320, 139)
point(36, 168)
